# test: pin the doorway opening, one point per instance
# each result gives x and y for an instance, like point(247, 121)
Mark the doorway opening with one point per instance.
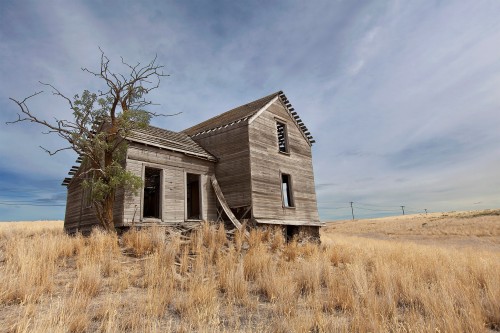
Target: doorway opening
point(193, 197)
point(152, 193)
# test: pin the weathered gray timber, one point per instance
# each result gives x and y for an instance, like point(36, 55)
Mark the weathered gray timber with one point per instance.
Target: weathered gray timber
point(268, 163)
point(174, 167)
point(174, 155)
point(259, 153)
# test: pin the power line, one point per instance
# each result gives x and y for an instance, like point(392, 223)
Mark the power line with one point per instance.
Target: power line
point(378, 210)
point(372, 205)
point(30, 204)
point(330, 208)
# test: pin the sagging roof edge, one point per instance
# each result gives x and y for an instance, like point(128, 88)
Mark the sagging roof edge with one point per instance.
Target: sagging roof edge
point(208, 157)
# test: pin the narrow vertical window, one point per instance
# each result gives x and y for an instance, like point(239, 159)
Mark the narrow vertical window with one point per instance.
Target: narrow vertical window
point(152, 193)
point(193, 197)
point(282, 137)
point(286, 190)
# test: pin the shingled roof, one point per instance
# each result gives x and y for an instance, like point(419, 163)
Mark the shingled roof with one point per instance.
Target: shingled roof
point(175, 141)
point(237, 114)
point(161, 138)
point(243, 113)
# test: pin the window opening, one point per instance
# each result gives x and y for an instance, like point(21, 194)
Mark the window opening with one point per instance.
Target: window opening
point(282, 137)
point(286, 190)
point(193, 202)
point(152, 193)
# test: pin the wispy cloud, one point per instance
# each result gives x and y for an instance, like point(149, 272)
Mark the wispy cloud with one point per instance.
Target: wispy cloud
point(402, 97)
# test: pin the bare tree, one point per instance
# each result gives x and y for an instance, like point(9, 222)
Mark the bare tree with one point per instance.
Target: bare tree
point(99, 126)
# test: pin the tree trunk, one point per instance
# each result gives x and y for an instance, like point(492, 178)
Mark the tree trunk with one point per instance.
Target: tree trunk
point(107, 212)
point(104, 212)
point(109, 200)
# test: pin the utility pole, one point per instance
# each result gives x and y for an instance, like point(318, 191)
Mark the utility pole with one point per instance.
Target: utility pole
point(403, 208)
point(352, 211)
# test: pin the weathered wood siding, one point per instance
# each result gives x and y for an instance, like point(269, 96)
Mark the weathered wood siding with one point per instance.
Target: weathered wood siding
point(267, 162)
point(174, 167)
point(81, 217)
point(128, 205)
point(230, 146)
point(78, 217)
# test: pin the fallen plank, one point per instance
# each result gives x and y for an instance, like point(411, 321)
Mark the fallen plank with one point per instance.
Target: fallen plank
point(225, 206)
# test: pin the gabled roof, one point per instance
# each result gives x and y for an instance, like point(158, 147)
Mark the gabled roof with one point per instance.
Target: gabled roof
point(244, 113)
point(161, 138)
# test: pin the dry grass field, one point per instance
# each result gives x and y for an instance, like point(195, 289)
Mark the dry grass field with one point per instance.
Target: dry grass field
point(386, 275)
point(468, 229)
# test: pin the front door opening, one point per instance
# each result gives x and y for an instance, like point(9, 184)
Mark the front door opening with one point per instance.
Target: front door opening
point(152, 193)
point(193, 197)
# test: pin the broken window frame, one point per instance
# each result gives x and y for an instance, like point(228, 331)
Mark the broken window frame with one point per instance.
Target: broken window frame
point(282, 138)
point(287, 197)
point(158, 196)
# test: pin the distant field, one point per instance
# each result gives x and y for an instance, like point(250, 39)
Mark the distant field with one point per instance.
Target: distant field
point(30, 227)
point(435, 273)
point(472, 229)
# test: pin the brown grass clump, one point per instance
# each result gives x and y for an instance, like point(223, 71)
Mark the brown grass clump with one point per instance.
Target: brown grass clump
point(142, 242)
point(213, 283)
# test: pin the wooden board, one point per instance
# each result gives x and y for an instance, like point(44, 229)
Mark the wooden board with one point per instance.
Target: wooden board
point(224, 205)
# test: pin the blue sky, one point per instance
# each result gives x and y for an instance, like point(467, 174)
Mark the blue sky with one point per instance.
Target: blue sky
point(402, 97)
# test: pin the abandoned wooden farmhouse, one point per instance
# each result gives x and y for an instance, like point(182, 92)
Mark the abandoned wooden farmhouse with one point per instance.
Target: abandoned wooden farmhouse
point(252, 163)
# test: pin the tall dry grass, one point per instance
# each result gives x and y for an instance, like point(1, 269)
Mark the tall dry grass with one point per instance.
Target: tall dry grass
point(150, 281)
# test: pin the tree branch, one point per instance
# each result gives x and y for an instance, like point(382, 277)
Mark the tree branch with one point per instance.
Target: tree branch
point(51, 153)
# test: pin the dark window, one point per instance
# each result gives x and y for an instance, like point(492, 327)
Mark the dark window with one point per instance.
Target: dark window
point(282, 137)
point(152, 193)
point(286, 190)
point(193, 197)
